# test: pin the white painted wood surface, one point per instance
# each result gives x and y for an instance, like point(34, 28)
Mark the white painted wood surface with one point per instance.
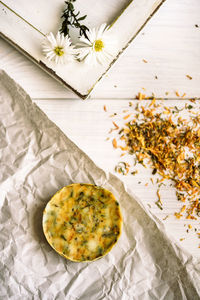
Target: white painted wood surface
point(31, 26)
point(171, 45)
point(169, 42)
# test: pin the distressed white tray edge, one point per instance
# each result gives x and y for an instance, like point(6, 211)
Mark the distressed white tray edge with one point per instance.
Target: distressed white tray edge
point(53, 74)
point(125, 47)
point(45, 68)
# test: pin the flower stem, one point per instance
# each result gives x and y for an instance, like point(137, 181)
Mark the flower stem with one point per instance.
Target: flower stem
point(71, 18)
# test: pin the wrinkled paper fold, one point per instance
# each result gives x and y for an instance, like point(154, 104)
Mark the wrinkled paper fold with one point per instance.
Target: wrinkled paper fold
point(37, 159)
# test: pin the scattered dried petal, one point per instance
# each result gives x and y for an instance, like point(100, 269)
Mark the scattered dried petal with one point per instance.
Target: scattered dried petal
point(127, 116)
point(189, 77)
point(156, 134)
point(117, 127)
point(140, 96)
point(114, 142)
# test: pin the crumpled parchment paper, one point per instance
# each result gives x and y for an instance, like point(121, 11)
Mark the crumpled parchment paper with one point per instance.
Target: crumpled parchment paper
point(37, 159)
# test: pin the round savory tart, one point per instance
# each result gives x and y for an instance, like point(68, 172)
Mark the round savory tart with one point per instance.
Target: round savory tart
point(82, 222)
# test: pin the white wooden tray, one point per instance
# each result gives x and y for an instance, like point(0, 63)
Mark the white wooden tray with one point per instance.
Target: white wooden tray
point(24, 25)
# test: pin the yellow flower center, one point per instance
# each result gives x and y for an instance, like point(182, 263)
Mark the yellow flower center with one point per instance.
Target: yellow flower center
point(59, 51)
point(98, 45)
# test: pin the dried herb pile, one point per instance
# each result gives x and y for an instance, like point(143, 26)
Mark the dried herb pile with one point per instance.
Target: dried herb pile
point(170, 144)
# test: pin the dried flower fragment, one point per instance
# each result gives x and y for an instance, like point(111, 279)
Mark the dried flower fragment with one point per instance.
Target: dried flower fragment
point(127, 116)
point(158, 135)
point(140, 96)
point(116, 126)
point(122, 168)
point(178, 215)
point(159, 205)
point(159, 198)
point(184, 94)
point(189, 77)
point(114, 142)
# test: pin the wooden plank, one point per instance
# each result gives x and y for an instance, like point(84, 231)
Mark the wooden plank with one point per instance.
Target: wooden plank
point(170, 33)
point(133, 19)
point(97, 12)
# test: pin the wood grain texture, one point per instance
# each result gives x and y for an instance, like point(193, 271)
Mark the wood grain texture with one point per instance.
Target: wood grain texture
point(33, 24)
point(97, 12)
point(170, 43)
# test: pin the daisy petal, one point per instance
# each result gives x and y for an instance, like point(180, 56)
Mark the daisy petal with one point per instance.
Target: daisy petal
point(58, 49)
point(101, 31)
point(100, 47)
point(51, 39)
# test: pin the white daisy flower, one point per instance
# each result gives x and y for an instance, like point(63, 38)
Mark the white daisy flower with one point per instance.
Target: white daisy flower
point(100, 47)
point(58, 48)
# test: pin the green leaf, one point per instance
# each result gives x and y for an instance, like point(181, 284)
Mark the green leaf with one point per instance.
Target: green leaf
point(71, 19)
point(82, 18)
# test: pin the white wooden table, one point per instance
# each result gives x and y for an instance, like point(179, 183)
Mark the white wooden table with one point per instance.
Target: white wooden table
point(159, 59)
